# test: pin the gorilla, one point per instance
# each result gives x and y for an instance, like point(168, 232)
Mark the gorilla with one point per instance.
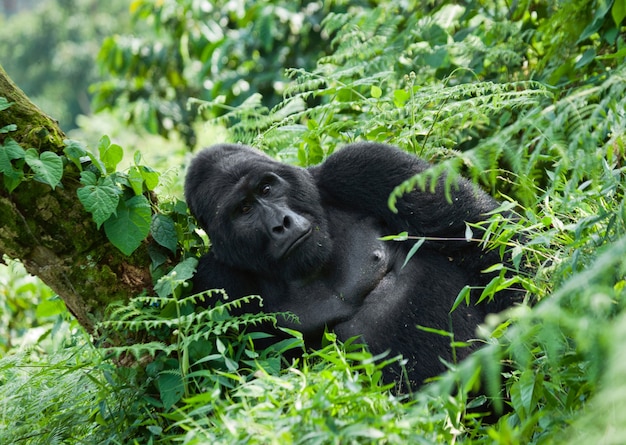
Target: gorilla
point(308, 241)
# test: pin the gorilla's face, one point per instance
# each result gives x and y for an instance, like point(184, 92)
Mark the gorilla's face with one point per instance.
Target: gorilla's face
point(260, 215)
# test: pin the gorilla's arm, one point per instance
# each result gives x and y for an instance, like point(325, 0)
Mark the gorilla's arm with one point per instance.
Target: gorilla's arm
point(314, 314)
point(361, 176)
point(213, 274)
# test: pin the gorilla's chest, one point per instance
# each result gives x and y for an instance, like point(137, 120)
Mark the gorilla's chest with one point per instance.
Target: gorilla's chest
point(360, 267)
point(361, 259)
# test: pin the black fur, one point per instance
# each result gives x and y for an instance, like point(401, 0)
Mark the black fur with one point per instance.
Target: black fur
point(307, 241)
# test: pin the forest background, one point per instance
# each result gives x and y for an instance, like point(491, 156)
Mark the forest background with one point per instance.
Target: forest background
point(526, 98)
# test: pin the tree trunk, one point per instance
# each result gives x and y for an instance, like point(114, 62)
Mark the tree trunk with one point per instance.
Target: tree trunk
point(51, 232)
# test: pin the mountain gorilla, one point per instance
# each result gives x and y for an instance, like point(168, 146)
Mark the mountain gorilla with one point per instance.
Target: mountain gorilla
point(308, 242)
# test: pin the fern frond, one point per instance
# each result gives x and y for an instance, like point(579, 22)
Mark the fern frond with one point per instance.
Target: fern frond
point(140, 350)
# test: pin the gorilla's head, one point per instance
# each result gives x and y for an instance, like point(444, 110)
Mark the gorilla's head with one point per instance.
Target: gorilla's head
point(261, 215)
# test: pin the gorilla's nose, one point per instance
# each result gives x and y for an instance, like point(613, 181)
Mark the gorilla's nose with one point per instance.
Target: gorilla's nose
point(290, 225)
point(282, 227)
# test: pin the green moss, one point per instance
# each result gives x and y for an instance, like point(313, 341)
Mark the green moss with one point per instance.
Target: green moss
point(8, 229)
point(51, 231)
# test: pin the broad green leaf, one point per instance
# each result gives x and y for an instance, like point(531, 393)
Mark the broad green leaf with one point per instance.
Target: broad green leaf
point(231, 364)
point(103, 143)
point(150, 177)
point(438, 58)
point(312, 124)
point(74, 151)
point(12, 149)
point(136, 180)
point(220, 346)
point(171, 388)
point(185, 269)
point(400, 98)
point(101, 200)
point(4, 103)
point(603, 7)
point(8, 128)
point(97, 163)
point(155, 430)
point(586, 58)
point(9, 151)
point(110, 154)
point(48, 167)
point(49, 307)
point(158, 257)
point(12, 179)
point(164, 232)
point(618, 12)
point(114, 156)
point(139, 175)
point(88, 178)
point(182, 272)
point(131, 225)
point(376, 92)
point(525, 392)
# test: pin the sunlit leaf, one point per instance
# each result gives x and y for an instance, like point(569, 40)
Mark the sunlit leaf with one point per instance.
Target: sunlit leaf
point(48, 167)
point(100, 199)
point(130, 225)
point(376, 92)
point(164, 232)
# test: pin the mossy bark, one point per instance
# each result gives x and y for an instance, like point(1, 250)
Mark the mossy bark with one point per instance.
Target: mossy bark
point(50, 231)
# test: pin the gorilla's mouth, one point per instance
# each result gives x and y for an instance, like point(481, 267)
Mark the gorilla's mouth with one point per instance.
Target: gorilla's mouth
point(297, 242)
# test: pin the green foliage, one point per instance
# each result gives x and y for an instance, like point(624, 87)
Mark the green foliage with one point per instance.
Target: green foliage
point(163, 230)
point(99, 199)
point(603, 420)
point(573, 41)
point(222, 50)
point(45, 167)
point(195, 352)
point(130, 224)
point(34, 410)
point(11, 151)
point(74, 396)
point(115, 199)
point(333, 396)
point(528, 100)
point(79, 396)
point(396, 94)
point(50, 50)
point(30, 313)
point(119, 201)
point(554, 154)
point(561, 348)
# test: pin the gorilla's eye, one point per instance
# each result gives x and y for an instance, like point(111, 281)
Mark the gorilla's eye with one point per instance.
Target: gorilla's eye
point(245, 208)
point(265, 189)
